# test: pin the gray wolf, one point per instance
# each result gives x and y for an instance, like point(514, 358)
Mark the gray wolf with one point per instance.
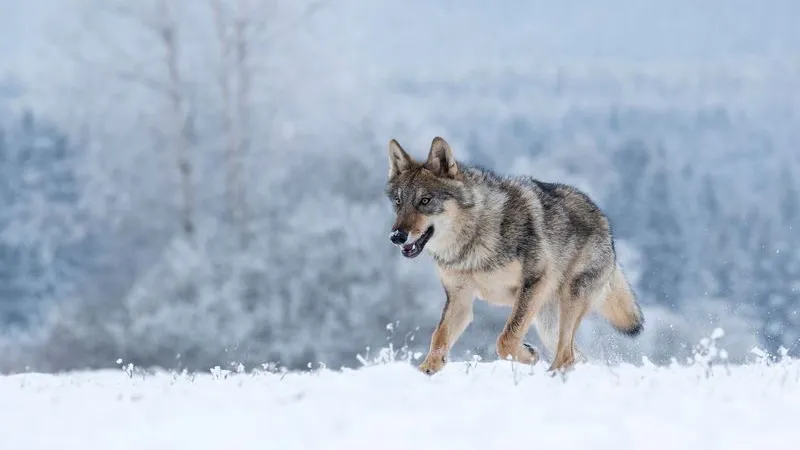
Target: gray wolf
point(544, 249)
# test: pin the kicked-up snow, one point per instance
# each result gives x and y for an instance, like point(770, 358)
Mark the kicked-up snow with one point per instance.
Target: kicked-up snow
point(492, 405)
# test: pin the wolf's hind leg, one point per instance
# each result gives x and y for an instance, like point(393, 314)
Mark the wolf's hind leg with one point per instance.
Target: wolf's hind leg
point(576, 300)
point(546, 324)
point(572, 312)
point(533, 292)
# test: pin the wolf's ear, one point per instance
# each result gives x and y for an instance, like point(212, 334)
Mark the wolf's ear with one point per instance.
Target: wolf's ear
point(399, 161)
point(440, 159)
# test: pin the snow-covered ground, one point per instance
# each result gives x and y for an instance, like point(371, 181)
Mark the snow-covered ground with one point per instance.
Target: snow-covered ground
point(391, 406)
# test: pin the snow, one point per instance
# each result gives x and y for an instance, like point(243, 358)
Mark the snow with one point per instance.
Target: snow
point(392, 406)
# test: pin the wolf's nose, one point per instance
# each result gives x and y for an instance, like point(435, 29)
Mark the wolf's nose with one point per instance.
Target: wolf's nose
point(398, 237)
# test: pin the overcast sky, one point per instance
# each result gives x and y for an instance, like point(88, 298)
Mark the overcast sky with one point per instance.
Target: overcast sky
point(419, 36)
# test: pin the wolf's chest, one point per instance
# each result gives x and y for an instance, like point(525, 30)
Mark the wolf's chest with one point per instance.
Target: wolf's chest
point(500, 286)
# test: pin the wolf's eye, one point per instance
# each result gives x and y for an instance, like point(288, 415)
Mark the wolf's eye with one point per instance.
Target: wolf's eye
point(425, 201)
point(397, 200)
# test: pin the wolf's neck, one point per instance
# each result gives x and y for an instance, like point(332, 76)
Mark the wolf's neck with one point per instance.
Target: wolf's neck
point(474, 240)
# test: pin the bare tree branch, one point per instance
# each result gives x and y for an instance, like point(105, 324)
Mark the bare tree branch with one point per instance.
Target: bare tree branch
point(224, 81)
point(243, 72)
point(180, 121)
point(135, 74)
point(311, 9)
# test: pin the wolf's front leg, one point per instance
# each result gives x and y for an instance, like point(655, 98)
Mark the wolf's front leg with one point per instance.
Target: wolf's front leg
point(456, 316)
point(533, 292)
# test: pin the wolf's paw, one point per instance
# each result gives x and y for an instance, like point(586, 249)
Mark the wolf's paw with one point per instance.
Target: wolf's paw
point(563, 365)
point(521, 352)
point(562, 371)
point(432, 364)
point(533, 352)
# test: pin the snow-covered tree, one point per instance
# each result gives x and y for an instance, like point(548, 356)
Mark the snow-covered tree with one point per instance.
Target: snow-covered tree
point(42, 228)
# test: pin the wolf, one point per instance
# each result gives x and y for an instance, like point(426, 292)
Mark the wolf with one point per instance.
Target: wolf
point(544, 249)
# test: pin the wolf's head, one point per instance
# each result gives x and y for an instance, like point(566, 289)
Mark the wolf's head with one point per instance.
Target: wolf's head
point(426, 195)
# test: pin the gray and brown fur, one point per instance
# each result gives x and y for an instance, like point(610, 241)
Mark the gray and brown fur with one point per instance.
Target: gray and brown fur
point(543, 249)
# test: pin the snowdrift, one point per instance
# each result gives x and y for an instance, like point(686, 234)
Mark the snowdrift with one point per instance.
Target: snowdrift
point(469, 405)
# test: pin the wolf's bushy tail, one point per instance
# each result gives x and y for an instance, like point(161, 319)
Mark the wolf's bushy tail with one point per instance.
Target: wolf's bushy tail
point(620, 307)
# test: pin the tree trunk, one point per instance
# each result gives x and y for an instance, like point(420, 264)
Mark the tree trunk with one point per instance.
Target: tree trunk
point(242, 127)
point(179, 131)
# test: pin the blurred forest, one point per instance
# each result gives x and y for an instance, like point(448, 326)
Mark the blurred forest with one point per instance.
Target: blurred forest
point(190, 183)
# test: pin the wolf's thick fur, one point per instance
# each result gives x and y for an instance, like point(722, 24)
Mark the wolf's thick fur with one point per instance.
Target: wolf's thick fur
point(544, 249)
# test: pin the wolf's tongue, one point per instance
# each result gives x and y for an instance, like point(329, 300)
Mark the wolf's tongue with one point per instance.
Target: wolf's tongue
point(411, 250)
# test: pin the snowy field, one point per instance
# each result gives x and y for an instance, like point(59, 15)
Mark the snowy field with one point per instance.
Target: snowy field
point(392, 406)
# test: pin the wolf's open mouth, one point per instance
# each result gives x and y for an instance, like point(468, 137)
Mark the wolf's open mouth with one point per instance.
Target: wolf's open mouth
point(413, 249)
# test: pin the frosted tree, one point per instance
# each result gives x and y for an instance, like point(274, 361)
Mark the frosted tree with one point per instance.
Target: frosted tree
point(42, 227)
point(161, 21)
point(140, 52)
point(246, 32)
point(234, 24)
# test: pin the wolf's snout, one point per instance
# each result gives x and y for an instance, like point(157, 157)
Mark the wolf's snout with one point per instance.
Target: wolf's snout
point(398, 237)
